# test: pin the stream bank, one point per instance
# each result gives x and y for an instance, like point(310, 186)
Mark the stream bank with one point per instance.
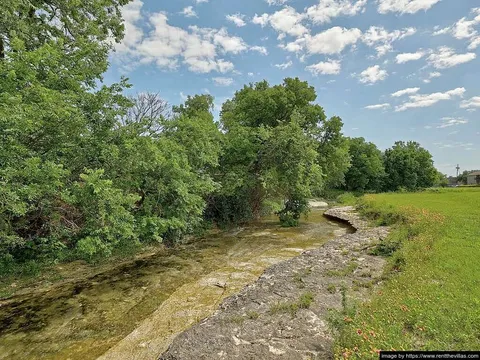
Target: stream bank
point(154, 298)
point(284, 314)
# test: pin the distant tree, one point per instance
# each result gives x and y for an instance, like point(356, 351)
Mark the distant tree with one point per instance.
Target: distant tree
point(477, 179)
point(441, 180)
point(271, 150)
point(333, 154)
point(147, 112)
point(462, 178)
point(409, 166)
point(367, 171)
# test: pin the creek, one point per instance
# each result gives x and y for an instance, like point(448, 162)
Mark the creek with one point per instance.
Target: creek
point(138, 309)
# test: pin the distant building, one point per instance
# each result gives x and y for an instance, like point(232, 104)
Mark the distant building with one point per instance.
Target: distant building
point(473, 178)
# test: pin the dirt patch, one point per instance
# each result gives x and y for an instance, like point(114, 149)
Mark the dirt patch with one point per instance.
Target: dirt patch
point(284, 314)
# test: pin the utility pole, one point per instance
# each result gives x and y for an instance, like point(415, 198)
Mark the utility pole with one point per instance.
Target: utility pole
point(458, 170)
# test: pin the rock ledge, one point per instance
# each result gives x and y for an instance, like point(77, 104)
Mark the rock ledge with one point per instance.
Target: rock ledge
point(252, 324)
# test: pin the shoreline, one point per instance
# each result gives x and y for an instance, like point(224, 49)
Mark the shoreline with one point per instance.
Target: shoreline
point(259, 322)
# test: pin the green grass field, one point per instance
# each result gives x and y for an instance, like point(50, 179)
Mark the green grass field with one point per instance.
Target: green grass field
point(430, 299)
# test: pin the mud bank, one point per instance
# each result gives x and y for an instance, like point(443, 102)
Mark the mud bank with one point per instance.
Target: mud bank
point(273, 318)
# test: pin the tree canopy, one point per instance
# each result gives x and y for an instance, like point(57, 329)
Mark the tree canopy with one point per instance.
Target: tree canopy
point(85, 170)
point(367, 172)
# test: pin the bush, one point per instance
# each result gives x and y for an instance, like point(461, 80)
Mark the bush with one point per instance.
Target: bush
point(106, 215)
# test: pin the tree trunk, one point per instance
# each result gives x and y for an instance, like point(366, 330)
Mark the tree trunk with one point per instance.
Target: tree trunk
point(2, 49)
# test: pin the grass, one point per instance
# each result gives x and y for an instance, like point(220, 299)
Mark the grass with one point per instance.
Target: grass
point(292, 308)
point(252, 315)
point(430, 299)
point(347, 270)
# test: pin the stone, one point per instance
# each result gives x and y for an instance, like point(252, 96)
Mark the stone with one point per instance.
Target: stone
point(279, 335)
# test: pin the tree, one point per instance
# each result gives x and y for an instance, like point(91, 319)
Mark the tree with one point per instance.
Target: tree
point(367, 171)
point(55, 121)
point(441, 180)
point(333, 153)
point(409, 166)
point(148, 110)
point(260, 123)
point(463, 177)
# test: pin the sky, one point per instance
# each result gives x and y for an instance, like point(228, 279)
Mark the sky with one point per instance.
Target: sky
point(391, 69)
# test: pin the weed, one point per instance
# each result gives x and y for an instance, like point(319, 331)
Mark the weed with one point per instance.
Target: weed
point(304, 302)
point(349, 269)
point(331, 288)
point(252, 315)
point(236, 319)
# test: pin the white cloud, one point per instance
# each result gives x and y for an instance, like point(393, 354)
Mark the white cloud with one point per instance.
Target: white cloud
point(221, 38)
point(372, 75)
point(404, 6)
point(464, 29)
point(276, 2)
point(382, 40)
point(474, 43)
point(329, 42)
point(284, 65)
point(168, 46)
point(286, 22)
point(201, 1)
point(250, 74)
point(326, 10)
point(471, 104)
point(431, 76)
point(237, 19)
point(405, 57)
point(261, 49)
point(330, 67)
point(441, 31)
point(445, 57)
point(449, 121)
point(131, 14)
point(222, 81)
point(261, 20)
point(189, 12)
point(426, 100)
point(408, 91)
point(378, 107)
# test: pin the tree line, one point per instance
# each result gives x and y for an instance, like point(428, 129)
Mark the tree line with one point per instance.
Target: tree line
point(85, 170)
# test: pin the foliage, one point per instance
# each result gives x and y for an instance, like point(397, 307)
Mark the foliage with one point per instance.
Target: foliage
point(428, 300)
point(272, 134)
point(83, 169)
point(106, 219)
point(408, 165)
point(441, 180)
point(86, 171)
point(367, 171)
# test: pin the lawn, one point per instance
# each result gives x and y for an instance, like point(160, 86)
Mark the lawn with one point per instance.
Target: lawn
point(430, 296)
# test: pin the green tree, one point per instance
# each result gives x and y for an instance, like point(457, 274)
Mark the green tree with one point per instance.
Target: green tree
point(409, 166)
point(367, 171)
point(333, 153)
point(463, 177)
point(441, 180)
point(265, 126)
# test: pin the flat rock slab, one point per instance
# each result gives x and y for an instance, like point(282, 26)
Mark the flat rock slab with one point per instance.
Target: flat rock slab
point(254, 324)
point(318, 204)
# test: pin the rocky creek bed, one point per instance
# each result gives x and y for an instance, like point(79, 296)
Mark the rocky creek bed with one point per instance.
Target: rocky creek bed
point(284, 314)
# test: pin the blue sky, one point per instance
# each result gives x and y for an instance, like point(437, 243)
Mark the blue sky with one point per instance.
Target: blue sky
point(391, 69)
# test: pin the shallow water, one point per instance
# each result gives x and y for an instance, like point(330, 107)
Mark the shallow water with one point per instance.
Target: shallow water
point(136, 312)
